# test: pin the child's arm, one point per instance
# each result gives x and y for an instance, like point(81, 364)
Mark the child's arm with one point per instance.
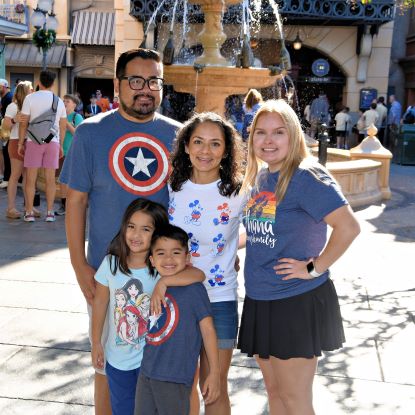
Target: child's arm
point(211, 388)
point(99, 311)
point(188, 276)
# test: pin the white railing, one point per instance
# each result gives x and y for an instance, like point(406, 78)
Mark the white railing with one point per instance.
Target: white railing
point(14, 11)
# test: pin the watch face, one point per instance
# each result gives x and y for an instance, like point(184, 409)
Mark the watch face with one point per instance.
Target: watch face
point(310, 267)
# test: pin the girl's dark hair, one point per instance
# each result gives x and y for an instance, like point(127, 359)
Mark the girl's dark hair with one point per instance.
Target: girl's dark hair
point(169, 232)
point(118, 249)
point(230, 166)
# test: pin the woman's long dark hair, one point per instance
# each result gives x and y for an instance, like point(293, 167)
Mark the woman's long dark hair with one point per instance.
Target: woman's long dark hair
point(118, 249)
point(230, 167)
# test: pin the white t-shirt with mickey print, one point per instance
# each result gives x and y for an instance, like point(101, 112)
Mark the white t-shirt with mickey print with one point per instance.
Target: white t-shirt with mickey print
point(212, 223)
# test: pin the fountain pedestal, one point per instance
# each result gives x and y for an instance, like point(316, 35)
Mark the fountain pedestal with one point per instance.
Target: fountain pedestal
point(212, 85)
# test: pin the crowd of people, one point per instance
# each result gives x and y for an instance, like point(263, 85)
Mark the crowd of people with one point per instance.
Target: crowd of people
point(164, 202)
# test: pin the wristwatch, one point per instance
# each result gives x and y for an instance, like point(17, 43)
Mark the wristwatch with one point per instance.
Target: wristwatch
point(311, 270)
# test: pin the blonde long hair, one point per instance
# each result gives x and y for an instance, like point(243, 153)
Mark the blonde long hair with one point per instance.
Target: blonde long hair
point(297, 150)
point(23, 89)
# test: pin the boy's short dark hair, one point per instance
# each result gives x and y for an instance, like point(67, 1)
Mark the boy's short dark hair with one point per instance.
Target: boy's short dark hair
point(373, 105)
point(129, 55)
point(47, 78)
point(73, 98)
point(381, 100)
point(170, 232)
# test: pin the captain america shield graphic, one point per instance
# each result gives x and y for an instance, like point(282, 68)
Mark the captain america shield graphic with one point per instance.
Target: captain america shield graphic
point(162, 326)
point(139, 163)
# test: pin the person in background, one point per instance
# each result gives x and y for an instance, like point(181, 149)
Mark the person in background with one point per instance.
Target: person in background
point(102, 102)
point(342, 120)
point(394, 120)
point(319, 112)
point(80, 106)
point(93, 108)
point(73, 119)
point(6, 99)
point(252, 102)
point(45, 155)
point(383, 114)
point(291, 310)
point(115, 104)
point(371, 116)
point(11, 123)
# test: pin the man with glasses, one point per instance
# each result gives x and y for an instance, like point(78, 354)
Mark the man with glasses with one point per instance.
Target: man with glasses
point(116, 157)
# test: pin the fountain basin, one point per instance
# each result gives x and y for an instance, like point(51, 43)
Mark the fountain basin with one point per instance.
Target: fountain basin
point(213, 84)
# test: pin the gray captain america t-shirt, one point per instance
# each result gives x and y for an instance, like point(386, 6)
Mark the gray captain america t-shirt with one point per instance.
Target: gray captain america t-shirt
point(117, 161)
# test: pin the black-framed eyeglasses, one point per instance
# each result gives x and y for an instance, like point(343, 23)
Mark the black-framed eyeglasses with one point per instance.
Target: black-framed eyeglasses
point(138, 82)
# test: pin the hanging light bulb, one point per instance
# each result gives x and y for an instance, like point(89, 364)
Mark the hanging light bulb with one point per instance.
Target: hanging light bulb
point(52, 22)
point(285, 60)
point(168, 52)
point(38, 18)
point(297, 42)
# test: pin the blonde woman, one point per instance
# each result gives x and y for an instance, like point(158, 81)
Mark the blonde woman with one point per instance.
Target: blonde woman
point(252, 102)
point(291, 311)
point(11, 122)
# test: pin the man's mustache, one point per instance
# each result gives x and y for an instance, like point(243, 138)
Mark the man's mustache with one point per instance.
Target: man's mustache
point(143, 95)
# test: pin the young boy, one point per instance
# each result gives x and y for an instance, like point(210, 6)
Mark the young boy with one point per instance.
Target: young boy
point(174, 337)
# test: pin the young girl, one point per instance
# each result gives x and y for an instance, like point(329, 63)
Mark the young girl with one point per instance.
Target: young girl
point(11, 122)
point(291, 310)
point(205, 201)
point(121, 278)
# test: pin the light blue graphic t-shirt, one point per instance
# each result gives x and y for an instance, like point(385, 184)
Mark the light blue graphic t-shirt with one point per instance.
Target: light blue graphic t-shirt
point(116, 161)
point(294, 229)
point(128, 313)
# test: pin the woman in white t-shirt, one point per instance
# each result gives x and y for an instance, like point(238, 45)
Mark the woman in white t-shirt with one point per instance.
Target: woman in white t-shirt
point(205, 201)
point(11, 122)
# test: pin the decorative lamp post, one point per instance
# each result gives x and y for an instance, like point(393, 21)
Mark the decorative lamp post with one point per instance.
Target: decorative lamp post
point(45, 22)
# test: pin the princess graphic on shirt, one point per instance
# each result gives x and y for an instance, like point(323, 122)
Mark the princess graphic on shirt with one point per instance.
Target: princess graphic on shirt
point(132, 327)
point(121, 299)
point(133, 287)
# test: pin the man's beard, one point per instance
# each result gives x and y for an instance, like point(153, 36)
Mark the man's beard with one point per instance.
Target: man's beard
point(143, 111)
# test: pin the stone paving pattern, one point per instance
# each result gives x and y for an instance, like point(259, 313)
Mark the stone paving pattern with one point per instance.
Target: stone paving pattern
point(44, 350)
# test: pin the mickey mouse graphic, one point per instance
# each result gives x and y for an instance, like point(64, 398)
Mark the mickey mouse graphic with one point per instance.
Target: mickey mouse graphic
point(171, 209)
point(224, 212)
point(196, 213)
point(218, 245)
point(194, 245)
point(217, 276)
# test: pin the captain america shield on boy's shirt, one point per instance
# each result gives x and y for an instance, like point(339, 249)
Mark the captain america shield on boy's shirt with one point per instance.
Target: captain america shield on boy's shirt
point(139, 163)
point(162, 326)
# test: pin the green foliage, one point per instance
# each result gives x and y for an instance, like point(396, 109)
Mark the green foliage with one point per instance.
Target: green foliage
point(44, 39)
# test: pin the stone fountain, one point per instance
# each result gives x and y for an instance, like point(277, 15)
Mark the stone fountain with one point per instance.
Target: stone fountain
point(212, 79)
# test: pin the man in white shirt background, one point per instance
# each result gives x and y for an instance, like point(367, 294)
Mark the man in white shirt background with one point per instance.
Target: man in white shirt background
point(41, 155)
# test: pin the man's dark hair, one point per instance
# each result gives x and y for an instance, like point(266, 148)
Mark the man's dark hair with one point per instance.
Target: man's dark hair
point(373, 105)
point(381, 100)
point(132, 54)
point(47, 78)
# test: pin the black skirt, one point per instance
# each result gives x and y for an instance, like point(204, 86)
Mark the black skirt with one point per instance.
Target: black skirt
point(299, 326)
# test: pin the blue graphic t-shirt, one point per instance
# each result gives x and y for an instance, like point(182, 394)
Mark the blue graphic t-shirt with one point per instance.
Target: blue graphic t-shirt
point(128, 312)
point(295, 229)
point(174, 340)
point(116, 161)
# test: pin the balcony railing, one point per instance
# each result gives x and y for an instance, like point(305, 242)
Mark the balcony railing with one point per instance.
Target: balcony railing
point(14, 16)
point(327, 12)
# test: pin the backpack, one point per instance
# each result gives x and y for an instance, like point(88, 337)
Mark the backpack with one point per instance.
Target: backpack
point(409, 117)
point(41, 129)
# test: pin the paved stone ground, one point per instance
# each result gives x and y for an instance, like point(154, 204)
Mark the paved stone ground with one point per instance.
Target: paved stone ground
point(44, 350)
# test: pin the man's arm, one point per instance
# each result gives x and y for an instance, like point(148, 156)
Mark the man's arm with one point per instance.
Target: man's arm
point(211, 388)
point(76, 206)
